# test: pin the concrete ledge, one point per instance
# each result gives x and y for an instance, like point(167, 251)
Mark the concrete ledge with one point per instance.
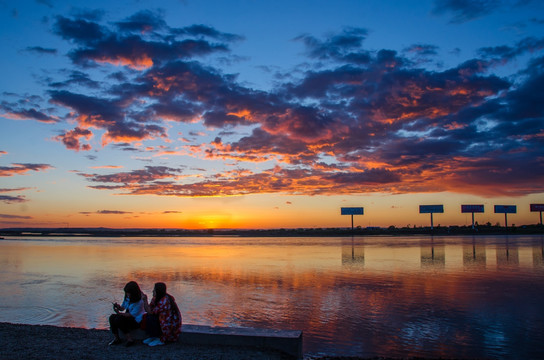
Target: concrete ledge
point(286, 341)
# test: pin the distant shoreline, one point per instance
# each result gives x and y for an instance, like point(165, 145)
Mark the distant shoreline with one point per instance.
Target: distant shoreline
point(301, 232)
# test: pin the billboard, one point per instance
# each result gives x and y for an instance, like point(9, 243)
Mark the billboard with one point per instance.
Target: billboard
point(537, 207)
point(429, 209)
point(352, 211)
point(505, 209)
point(472, 208)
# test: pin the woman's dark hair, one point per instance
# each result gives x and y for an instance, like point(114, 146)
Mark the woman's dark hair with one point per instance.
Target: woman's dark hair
point(160, 292)
point(132, 290)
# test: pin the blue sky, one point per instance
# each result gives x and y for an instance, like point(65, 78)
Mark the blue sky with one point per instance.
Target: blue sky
point(224, 113)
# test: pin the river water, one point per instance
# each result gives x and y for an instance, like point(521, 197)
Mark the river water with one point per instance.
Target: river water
point(462, 297)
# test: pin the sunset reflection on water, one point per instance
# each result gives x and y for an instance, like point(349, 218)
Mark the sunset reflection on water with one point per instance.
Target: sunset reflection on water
point(382, 296)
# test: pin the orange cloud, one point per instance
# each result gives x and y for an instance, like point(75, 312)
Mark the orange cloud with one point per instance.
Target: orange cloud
point(107, 167)
point(22, 169)
point(72, 139)
point(139, 62)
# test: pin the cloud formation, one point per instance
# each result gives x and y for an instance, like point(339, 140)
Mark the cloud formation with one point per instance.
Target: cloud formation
point(106, 212)
point(19, 217)
point(8, 199)
point(467, 10)
point(22, 169)
point(351, 120)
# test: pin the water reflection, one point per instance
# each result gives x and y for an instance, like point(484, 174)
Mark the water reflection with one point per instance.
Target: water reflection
point(353, 253)
point(474, 255)
point(433, 255)
point(538, 255)
point(398, 297)
point(507, 255)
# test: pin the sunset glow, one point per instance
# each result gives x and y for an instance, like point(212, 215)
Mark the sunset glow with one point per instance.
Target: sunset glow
point(127, 115)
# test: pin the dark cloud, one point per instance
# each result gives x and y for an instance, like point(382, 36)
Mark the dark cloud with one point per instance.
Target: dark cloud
point(346, 46)
point(8, 216)
point(99, 44)
point(113, 212)
point(72, 139)
point(142, 22)
point(21, 169)
point(102, 114)
point(41, 50)
point(179, 88)
point(422, 50)
point(506, 53)
point(467, 10)
point(207, 31)
point(105, 212)
point(149, 174)
point(79, 30)
point(3, 190)
point(94, 111)
point(23, 110)
point(353, 120)
point(277, 180)
point(370, 176)
point(12, 199)
point(77, 78)
point(464, 10)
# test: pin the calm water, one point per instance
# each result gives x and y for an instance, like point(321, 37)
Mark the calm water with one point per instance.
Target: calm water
point(461, 297)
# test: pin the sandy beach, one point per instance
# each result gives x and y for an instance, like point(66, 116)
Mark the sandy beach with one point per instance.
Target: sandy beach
point(44, 342)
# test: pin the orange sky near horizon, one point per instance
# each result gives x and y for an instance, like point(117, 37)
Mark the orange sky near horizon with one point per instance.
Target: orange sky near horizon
point(275, 211)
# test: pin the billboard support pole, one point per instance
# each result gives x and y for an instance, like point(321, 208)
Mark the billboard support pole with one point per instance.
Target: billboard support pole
point(472, 209)
point(431, 209)
point(505, 209)
point(352, 211)
point(539, 208)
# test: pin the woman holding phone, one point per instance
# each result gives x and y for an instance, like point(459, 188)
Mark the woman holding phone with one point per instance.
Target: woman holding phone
point(128, 315)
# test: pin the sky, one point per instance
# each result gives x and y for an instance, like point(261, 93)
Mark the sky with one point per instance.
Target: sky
point(269, 114)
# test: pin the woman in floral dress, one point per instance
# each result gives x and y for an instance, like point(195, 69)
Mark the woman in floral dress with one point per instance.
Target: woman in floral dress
point(163, 322)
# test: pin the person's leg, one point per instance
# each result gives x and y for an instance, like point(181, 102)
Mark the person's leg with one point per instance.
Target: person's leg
point(126, 324)
point(153, 326)
point(114, 327)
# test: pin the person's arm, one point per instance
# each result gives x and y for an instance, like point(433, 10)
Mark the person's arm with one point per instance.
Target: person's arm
point(127, 311)
point(118, 308)
point(146, 305)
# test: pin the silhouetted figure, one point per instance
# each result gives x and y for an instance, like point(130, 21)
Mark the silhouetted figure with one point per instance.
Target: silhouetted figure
point(163, 321)
point(128, 315)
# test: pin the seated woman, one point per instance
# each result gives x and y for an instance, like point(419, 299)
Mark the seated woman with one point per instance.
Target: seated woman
point(163, 322)
point(134, 310)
